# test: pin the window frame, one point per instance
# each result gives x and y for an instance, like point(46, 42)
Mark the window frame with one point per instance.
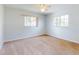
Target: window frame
point(25, 23)
point(61, 21)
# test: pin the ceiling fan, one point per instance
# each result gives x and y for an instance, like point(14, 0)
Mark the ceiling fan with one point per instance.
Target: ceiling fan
point(43, 7)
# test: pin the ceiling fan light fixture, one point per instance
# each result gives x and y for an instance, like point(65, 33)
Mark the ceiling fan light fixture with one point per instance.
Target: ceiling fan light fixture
point(42, 10)
point(43, 7)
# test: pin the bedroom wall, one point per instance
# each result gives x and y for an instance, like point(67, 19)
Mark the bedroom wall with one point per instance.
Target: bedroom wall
point(70, 32)
point(14, 24)
point(1, 25)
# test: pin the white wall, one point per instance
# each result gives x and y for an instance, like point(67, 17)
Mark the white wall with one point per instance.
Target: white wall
point(14, 24)
point(71, 32)
point(1, 24)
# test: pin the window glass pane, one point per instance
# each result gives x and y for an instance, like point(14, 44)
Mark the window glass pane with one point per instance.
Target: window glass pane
point(30, 21)
point(61, 21)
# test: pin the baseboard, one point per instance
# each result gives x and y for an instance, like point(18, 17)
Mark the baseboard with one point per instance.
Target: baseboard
point(64, 39)
point(45, 35)
point(39, 35)
point(9, 40)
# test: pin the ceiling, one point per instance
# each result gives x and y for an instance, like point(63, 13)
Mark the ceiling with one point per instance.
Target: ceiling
point(30, 7)
point(35, 8)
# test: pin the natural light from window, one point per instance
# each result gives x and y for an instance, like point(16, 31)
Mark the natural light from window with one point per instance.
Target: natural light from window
point(62, 21)
point(30, 21)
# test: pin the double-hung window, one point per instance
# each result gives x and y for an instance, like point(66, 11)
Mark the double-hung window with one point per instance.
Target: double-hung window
point(30, 21)
point(62, 21)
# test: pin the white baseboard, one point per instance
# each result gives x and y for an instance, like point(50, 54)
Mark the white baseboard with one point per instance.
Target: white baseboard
point(71, 40)
point(20, 38)
point(39, 35)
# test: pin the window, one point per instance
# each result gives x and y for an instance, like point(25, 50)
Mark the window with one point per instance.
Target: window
point(30, 21)
point(61, 21)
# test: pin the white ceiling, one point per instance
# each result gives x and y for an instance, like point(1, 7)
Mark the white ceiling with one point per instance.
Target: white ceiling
point(30, 7)
point(34, 7)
